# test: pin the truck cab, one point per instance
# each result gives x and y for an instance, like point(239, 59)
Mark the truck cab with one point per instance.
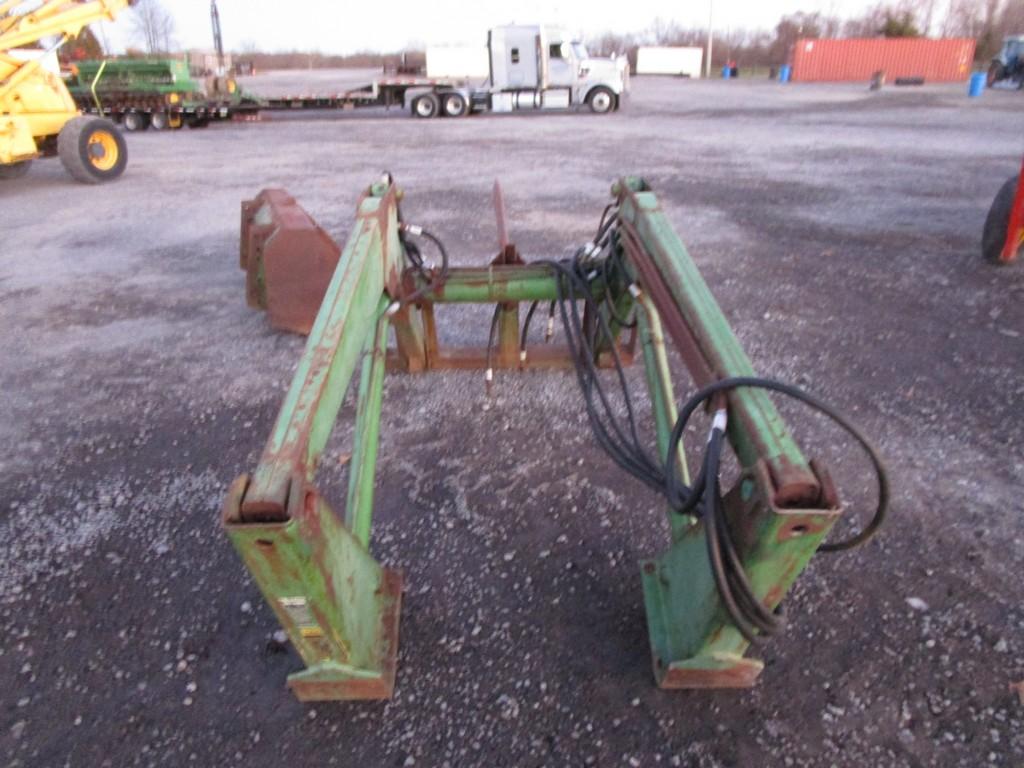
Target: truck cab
point(538, 67)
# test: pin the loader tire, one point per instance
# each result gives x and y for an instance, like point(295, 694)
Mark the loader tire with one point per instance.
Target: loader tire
point(997, 223)
point(14, 170)
point(92, 149)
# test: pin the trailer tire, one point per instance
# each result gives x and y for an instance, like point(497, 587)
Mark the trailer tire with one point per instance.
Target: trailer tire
point(159, 121)
point(426, 105)
point(135, 121)
point(198, 122)
point(601, 100)
point(997, 223)
point(92, 150)
point(10, 171)
point(454, 105)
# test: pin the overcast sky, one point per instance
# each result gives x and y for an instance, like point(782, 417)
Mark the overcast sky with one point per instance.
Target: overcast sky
point(331, 26)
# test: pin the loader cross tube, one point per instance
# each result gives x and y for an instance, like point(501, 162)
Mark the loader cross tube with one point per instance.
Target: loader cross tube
point(340, 608)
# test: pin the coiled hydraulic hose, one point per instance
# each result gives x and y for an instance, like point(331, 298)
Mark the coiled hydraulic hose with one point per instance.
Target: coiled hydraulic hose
point(704, 498)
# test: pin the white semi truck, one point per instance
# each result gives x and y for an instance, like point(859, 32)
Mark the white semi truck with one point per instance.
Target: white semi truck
point(529, 68)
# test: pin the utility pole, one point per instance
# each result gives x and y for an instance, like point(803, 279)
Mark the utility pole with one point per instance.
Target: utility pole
point(711, 18)
point(218, 43)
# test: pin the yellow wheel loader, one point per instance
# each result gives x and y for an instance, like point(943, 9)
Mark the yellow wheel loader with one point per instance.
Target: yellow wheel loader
point(38, 117)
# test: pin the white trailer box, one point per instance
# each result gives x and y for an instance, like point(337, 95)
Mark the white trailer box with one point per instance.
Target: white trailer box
point(458, 61)
point(685, 62)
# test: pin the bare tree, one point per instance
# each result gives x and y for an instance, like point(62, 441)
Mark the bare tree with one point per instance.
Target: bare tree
point(894, 18)
point(987, 21)
point(154, 26)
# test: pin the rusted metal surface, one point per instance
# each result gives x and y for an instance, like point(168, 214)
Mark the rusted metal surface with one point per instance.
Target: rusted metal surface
point(346, 319)
point(946, 60)
point(287, 258)
point(734, 672)
point(508, 312)
point(329, 685)
point(340, 608)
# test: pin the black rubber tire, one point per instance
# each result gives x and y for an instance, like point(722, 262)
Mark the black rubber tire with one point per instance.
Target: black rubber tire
point(159, 121)
point(198, 122)
point(73, 146)
point(426, 106)
point(996, 72)
point(601, 100)
point(997, 223)
point(135, 121)
point(14, 170)
point(454, 105)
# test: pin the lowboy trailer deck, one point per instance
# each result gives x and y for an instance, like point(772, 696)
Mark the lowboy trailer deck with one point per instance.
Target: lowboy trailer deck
point(531, 68)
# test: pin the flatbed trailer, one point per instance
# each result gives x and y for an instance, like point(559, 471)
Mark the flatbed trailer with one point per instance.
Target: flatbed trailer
point(162, 93)
point(532, 68)
point(135, 115)
point(136, 110)
point(383, 92)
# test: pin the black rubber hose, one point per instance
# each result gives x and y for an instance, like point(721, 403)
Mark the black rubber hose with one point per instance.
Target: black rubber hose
point(621, 442)
point(439, 278)
point(673, 485)
point(526, 328)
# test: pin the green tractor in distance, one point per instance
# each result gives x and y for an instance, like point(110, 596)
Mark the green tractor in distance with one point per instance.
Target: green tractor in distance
point(1009, 64)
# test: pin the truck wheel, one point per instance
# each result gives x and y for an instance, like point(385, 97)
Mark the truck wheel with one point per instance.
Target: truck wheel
point(997, 223)
point(425, 105)
point(135, 121)
point(92, 149)
point(14, 170)
point(158, 121)
point(198, 121)
point(453, 105)
point(601, 100)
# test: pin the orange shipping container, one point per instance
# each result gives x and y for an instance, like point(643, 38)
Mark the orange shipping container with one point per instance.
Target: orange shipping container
point(937, 61)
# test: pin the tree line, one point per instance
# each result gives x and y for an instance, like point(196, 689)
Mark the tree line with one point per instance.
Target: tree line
point(987, 21)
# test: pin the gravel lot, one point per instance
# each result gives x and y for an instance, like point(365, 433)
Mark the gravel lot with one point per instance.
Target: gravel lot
point(840, 232)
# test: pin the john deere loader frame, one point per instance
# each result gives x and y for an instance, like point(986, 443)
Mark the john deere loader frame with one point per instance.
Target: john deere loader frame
point(339, 606)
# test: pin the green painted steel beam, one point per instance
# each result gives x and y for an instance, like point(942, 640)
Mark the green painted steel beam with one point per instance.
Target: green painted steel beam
point(756, 429)
point(693, 642)
point(338, 606)
point(663, 403)
point(362, 468)
point(493, 284)
point(348, 314)
point(482, 285)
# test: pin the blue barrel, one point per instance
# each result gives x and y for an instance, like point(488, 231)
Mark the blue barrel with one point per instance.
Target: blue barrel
point(976, 86)
point(726, 73)
point(784, 72)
